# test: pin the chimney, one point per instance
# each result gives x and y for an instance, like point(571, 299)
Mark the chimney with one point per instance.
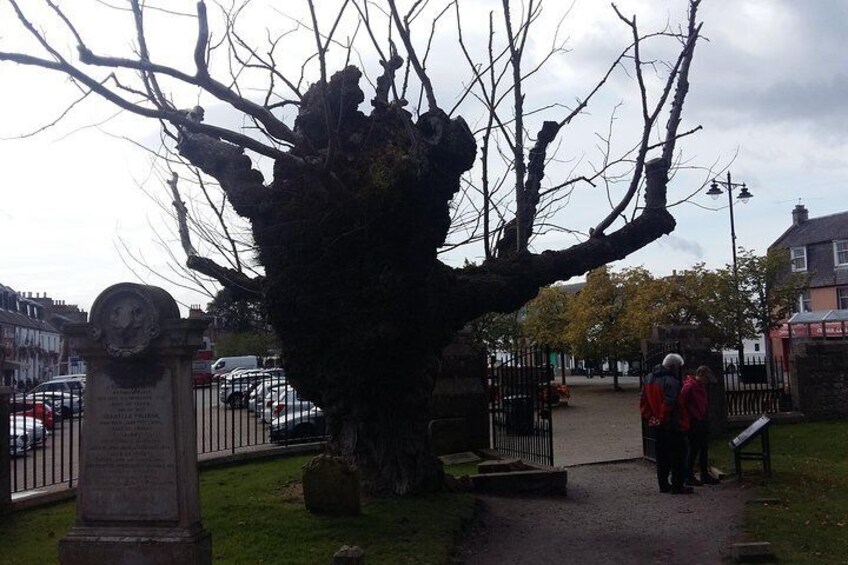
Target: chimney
point(800, 215)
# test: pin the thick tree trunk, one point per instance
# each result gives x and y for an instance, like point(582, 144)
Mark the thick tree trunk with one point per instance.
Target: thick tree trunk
point(353, 285)
point(348, 233)
point(384, 431)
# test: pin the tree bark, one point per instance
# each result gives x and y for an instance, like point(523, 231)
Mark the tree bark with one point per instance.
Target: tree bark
point(353, 285)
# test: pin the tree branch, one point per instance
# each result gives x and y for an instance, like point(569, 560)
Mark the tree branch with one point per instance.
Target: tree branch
point(504, 285)
point(236, 281)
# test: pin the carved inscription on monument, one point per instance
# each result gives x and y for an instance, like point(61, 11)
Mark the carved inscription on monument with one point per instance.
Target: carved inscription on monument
point(130, 457)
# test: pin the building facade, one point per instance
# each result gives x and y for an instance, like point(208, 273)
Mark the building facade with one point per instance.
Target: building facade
point(819, 248)
point(32, 346)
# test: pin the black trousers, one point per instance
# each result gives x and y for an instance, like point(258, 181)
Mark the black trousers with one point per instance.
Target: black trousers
point(671, 458)
point(699, 437)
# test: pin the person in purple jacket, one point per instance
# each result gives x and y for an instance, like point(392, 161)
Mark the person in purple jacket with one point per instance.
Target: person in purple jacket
point(694, 399)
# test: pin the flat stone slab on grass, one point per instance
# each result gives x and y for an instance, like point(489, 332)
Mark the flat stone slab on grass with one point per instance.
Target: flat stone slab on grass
point(538, 481)
point(504, 466)
point(752, 552)
point(459, 458)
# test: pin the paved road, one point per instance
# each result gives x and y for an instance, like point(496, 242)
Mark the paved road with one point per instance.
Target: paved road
point(613, 512)
point(599, 423)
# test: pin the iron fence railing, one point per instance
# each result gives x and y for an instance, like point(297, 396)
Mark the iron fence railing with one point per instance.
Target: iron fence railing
point(46, 454)
point(44, 439)
point(520, 401)
point(757, 385)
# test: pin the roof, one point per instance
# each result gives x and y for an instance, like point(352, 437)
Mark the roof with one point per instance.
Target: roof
point(816, 316)
point(11, 318)
point(815, 230)
point(16, 319)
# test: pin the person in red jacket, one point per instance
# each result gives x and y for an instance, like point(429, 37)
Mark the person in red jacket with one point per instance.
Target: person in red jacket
point(667, 422)
point(694, 399)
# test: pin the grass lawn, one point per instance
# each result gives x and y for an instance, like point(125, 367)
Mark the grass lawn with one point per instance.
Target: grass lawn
point(810, 477)
point(256, 515)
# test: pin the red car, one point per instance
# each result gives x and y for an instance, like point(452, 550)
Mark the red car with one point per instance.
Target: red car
point(38, 410)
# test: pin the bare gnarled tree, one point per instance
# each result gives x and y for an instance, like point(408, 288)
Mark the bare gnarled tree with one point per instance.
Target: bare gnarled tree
point(362, 197)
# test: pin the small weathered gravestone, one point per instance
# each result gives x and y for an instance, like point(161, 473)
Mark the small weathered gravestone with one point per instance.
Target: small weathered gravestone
point(137, 499)
point(349, 555)
point(331, 487)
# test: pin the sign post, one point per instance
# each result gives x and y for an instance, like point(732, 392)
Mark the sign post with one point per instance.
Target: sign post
point(759, 428)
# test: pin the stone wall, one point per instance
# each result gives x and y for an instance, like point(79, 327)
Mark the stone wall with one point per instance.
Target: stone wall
point(460, 408)
point(819, 378)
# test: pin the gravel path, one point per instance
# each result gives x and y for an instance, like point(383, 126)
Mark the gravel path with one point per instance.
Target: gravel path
point(613, 512)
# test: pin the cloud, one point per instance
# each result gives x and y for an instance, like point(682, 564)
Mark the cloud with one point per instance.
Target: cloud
point(684, 246)
point(776, 62)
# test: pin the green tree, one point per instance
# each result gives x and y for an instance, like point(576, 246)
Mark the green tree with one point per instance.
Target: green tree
point(546, 318)
point(246, 343)
point(701, 297)
point(769, 288)
point(597, 330)
point(496, 331)
point(237, 314)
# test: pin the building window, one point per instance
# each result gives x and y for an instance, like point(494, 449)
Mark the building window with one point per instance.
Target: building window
point(756, 347)
point(842, 298)
point(798, 259)
point(804, 302)
point(840, 253)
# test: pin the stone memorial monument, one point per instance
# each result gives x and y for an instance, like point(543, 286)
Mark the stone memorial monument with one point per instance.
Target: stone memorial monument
point(137, 499)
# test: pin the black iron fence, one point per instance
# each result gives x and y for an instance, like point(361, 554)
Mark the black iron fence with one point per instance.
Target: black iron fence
point(230, 418)
point(44, 439)
point(521, 395)
point(757, 385)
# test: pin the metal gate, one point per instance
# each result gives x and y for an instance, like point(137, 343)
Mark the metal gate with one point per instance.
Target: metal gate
point(521, 394)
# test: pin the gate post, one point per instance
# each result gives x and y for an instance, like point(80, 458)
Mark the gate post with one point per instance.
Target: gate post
point(460, 410)
point(5, 459)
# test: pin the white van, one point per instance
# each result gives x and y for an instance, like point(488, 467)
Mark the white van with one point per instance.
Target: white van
point(227, 364)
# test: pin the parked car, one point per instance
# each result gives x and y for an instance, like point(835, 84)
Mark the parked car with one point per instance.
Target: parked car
point(19, 442)
point(74, 384)
point(226, 364)
point(32, 429)
point(260, 393)
point(221, 377)
point(303, 424)
point(283, 401)
point(39, 410)
point(65, 403)
point(236, 387)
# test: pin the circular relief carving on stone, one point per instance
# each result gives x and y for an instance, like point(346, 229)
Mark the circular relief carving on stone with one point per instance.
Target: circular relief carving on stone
point(125, 319)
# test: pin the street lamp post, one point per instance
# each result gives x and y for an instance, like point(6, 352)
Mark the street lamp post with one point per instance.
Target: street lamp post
point(743, 196)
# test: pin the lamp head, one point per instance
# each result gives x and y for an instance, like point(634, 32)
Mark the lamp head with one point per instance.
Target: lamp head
point(744, 196)
point(714, 190)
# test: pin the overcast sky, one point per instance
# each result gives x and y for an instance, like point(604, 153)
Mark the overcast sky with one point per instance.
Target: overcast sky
point(769, 86)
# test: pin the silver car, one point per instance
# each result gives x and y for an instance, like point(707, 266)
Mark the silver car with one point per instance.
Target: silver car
point(31, 430)
point(261, 392)
point(235, 388)
point(301, 424)
point(283, 401)
point(63, 403)
point(19, 442)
